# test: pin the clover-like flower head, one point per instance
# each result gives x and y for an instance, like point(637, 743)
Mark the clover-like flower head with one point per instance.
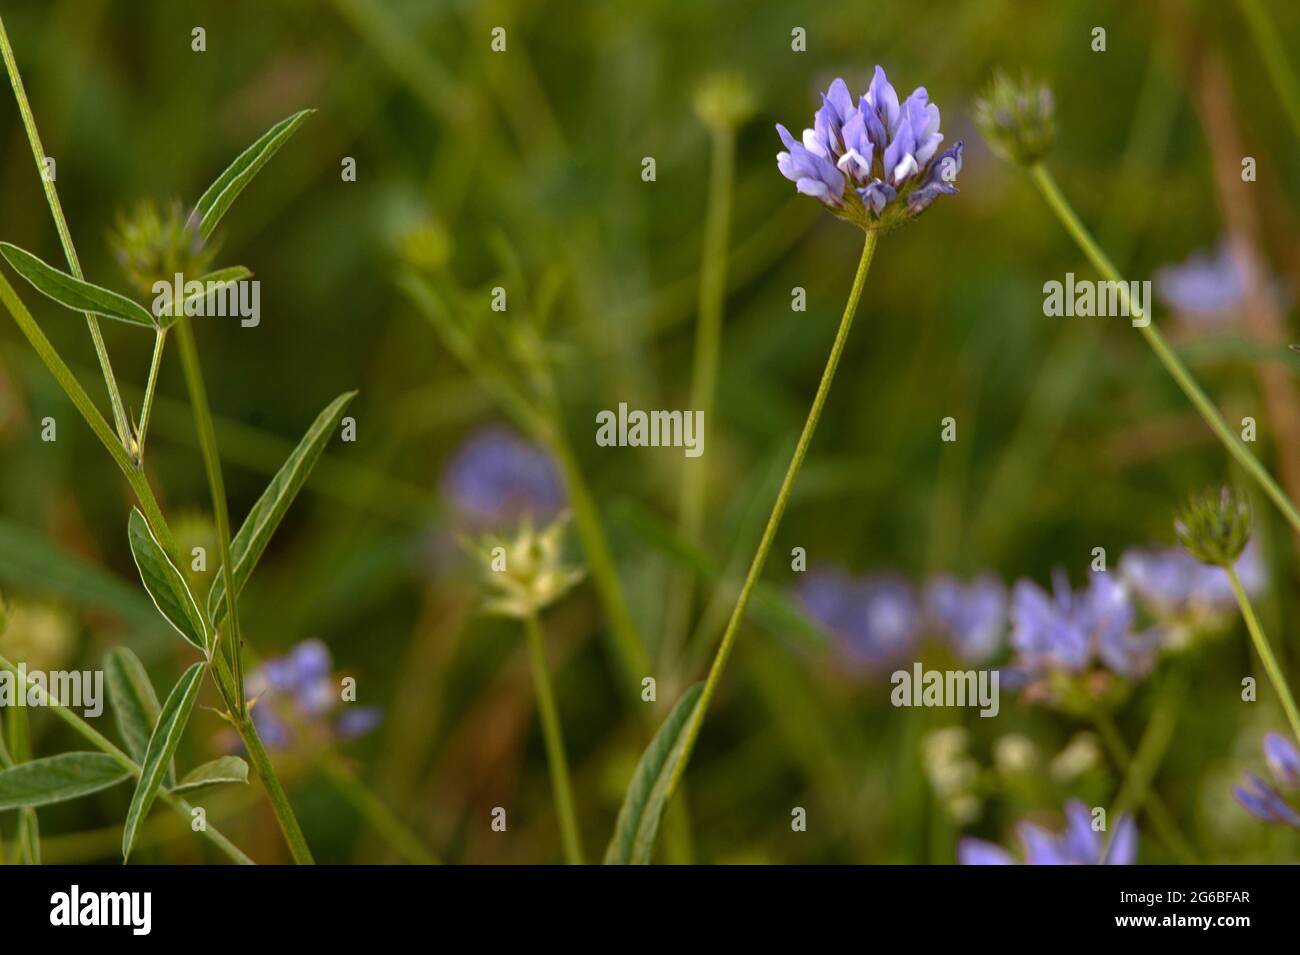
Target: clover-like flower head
point(876, 163)
point(1215, 526)
point(154, 245)
point(526, 573)
point(1017, 118)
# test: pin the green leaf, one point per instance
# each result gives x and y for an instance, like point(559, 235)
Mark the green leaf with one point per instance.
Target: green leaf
point(236, 273)
point(227, 769)
point(212, 205)
point(73, 292)
point(135, 704)
point(265, 516)
point(643, 805)
point(171, 595)
point(162, 747)
point(58, 778)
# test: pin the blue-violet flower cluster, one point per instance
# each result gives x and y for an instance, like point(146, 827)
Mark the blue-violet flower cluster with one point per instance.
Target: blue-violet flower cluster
point(875, 163)
point(1262, 799)
point(1078, 844)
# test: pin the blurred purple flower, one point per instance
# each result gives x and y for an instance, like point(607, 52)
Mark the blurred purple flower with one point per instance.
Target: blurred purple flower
point(1078, 844)
point(299, 691)
point(874, 620)
point(1174, 584)
point(1262, 799)
point(1207, 289)
point(971, 617)
point(497, 478)
point(1069, 631)
point(882, 149)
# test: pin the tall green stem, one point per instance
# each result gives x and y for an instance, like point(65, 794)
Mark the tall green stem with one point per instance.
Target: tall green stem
point(554, 739)
point(778, 511)
point(704, 374)
point(274, 791)
point(1265, 651)
point(1061, 206)
point(212, 462)
point(395, 833)
point(65, 237)
point(102, 743)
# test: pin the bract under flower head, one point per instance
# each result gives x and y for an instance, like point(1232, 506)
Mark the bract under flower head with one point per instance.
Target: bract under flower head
point(876, 163)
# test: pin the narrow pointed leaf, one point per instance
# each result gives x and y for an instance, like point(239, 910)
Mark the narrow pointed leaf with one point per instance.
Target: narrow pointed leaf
point(57, 779)
point(162, 747)
point(72, 292)
point(265, 516)
point(643, 805)
point(135, 704)
point(220, 277)
point(164, 582)
point(212, 205)
point(227, 769)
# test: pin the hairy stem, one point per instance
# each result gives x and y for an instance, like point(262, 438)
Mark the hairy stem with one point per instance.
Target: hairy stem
point(65, 237)
point(1265, 651)
point(105, 745)
point(778, 511)
point(1061, 206)
point(554, 739)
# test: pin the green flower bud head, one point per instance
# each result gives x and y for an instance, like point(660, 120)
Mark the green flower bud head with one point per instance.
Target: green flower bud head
point(525, 573)
point(724, 100)
point(153, 245)
point(1215, 526)
point(1017, 118)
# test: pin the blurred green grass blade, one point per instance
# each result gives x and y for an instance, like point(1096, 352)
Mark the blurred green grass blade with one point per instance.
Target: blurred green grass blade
point(57, 779)
point(643, 806)
point(227, 769)
point(214, 203)
point(74, 293)
point(162, 747)
point(165, 584)
point(135, 704)
point(265, 516)
point(223, 277)
point(29, 561)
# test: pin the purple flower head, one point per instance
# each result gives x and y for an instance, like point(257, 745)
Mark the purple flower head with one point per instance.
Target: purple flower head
point(357, 721)
point(1077, 844)
point(1070, 631)
point(497, 478)
point(877, 163)
point(1173, 585)
point(971, 617)
point(1268, 802)
point(874, 620)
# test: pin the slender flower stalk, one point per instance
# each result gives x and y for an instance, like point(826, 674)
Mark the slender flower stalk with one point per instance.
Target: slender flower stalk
point(65, 237)
point(160, 340)
point(1265, 651)
point(1061, 206)
point(395, 833)
point(103, 744)
point(721, 105)
point(554, 738)
point(778, 511)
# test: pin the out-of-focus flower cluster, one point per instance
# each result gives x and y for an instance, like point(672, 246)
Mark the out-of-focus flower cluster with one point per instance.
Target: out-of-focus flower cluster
point(1078, 844)
point(876, 162)
point(1090, 636)
point(497, 479)
point(154, 245)
point(1269, 802)
point(298, 701)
